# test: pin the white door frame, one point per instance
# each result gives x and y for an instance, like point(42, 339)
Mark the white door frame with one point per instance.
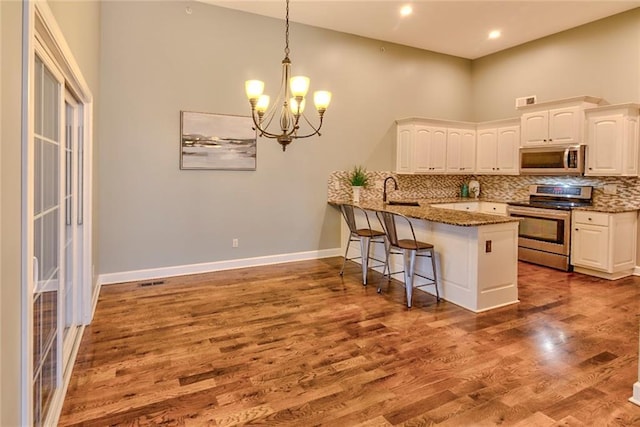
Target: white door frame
point(40, 28)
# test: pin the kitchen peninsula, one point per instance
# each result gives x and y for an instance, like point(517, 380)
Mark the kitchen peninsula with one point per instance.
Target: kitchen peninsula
point(476, 253)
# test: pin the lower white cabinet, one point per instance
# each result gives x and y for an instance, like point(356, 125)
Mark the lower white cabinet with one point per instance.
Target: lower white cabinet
point(482, 207)
point(604, 244)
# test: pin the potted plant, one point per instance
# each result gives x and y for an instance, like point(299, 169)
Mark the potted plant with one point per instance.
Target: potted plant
point(358, 179)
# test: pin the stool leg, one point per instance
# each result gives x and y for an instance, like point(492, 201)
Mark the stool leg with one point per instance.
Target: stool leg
point(435, 276)
point(409, 268)
point(346, 251)
point(364, 251)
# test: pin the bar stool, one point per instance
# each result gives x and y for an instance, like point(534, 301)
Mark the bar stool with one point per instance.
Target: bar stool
point(409, 248)
point(365, 236)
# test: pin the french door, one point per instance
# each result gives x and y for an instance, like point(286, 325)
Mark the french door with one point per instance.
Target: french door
point(57, 233)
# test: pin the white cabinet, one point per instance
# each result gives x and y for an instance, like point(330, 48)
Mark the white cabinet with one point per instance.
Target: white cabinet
point(493, 208)
point(404, 149)
point(430, 149)
point(429, 146)
point(556, 122)
point(612, 140)
point(497, 148)
point(461, 150)
point(604, 244)
point(482, 207)
point(420, 149)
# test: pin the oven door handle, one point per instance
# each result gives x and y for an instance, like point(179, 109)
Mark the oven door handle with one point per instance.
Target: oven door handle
point(541, 213)
point(566, 158)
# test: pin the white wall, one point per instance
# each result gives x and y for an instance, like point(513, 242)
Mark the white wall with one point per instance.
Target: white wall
point(157, 60)
point(599, 59)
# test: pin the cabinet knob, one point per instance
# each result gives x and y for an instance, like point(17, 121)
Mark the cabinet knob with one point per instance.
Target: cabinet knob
point(589, 219)
point(550, 139)
point(577, 229)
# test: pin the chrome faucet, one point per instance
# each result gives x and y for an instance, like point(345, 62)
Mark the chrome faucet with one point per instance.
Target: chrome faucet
point(384, 187)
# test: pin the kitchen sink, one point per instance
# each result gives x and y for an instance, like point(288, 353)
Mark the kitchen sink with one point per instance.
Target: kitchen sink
point(403, 203)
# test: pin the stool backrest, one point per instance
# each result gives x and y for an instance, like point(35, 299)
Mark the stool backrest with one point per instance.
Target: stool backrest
point(349, 217)
point(350, 212)
point(388, 221)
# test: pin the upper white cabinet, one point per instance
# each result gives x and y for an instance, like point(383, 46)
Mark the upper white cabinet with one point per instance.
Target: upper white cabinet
point(430, 149)
point(426, 146)
point(555, 122)
point(461, 150)
point(612, 140)
point(497, 147)
point(420, 148)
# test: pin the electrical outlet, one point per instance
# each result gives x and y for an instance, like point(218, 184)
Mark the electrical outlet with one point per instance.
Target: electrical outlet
point(610, 189)
point(336, 185)
point(487, 246)
point(234, 243)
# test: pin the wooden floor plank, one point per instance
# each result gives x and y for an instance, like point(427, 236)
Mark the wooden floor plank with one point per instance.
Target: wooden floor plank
point(297, 344)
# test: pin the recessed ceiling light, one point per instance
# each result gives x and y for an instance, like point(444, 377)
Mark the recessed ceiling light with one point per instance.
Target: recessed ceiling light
point(406, 10)
point(494, 34)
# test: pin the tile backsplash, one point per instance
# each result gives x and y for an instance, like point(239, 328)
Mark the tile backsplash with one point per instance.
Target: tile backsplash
point(495, 187)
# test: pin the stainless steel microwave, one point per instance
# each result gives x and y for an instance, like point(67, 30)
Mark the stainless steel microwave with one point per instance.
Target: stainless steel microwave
point(552, 160)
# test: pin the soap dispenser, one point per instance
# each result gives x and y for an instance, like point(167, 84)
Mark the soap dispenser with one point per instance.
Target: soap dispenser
point(464, 191)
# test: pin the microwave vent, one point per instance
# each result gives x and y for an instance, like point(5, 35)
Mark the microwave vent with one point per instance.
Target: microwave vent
point(525, 100)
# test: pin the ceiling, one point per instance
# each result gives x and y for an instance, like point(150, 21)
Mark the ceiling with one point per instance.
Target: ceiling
point(458, 28)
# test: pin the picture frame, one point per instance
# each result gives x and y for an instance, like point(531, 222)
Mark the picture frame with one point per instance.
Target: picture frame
point(211, 141)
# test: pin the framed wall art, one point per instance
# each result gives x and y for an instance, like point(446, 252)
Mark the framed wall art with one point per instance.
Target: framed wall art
point(217, 141)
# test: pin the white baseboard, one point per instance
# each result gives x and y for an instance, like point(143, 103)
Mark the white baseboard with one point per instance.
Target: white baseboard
point(208, 267)
point(636, 271)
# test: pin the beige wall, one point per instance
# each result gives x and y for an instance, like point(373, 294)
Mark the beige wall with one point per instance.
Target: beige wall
point(10, 158)
point(157, 60)
point(600, 59)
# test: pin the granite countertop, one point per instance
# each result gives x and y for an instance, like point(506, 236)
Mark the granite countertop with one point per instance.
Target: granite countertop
point(441, 215)
point(608, 208)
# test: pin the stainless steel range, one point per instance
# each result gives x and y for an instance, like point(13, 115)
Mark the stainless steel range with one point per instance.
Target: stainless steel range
point(544, 234)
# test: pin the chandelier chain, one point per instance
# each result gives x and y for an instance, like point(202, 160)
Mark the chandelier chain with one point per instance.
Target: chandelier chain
point(286, 33)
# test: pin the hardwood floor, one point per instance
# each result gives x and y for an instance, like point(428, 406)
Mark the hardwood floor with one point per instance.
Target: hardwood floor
point(296, 344)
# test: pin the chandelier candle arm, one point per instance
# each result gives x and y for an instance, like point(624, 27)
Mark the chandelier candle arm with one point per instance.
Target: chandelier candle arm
point(290, 102)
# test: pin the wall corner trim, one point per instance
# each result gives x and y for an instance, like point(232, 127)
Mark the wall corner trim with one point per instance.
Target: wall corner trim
point(208, 267)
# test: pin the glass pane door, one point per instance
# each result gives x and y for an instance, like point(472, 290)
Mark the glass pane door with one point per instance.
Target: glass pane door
point(72, 242)
point(540, 228)
point(47, 239)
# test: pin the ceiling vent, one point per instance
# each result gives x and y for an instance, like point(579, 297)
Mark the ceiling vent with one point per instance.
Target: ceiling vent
point(525, 100)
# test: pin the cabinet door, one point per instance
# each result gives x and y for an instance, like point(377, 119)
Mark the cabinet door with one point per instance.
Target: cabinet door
point(468, 151)
point(564, 125)
point(486, 151)
point(535, 128)
point(438, 151)
point(454, 150)
point(590, 246)
point(604, 139)
point(508, 150)
point(404, 149)
point(423, 137)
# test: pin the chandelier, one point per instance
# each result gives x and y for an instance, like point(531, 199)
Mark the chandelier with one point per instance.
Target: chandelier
point(290, 102)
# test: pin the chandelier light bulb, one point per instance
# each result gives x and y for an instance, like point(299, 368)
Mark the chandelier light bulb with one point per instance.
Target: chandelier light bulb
point(293, 105)
point(299, 85)
point(321, 99)
point(262, 104)
point(254, 88)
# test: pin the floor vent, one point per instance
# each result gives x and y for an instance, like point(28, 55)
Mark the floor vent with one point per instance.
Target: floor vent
point(157, 282)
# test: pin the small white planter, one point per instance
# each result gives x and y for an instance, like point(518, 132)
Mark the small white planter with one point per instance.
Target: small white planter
point(356, 193)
